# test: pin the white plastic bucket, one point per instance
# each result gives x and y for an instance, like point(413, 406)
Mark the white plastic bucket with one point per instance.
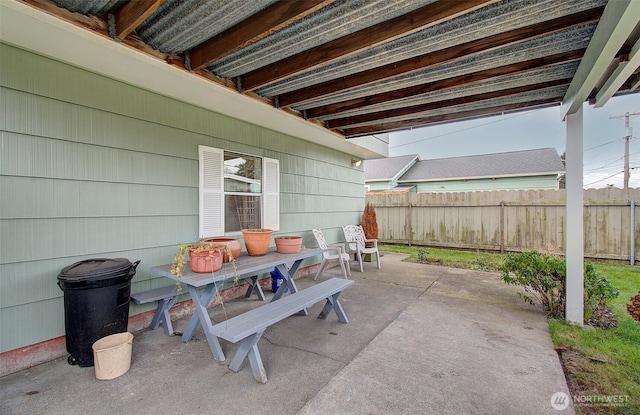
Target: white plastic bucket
point(112, 355)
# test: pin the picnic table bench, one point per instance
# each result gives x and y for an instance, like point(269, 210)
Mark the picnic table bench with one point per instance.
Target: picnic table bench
point(166, 298)
point(250, 326)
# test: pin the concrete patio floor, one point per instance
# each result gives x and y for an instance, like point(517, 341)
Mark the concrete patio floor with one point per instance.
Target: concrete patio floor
point(420, 340)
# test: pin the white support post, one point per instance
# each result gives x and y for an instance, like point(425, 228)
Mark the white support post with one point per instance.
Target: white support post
point(574, 219)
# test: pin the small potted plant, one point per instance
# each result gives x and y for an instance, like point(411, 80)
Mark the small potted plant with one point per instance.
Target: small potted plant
point(202, 256)
point(288, 244)
point(232, 243)
point(257, 240)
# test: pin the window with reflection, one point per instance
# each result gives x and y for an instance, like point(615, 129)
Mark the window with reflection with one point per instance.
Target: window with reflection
point(236, 191)
point(242, 191)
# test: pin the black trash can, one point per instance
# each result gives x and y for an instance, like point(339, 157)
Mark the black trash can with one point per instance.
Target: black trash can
point(96, 303)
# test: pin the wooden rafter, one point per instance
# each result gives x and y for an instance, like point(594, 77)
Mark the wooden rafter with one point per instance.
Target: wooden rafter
point(89, 22)
point(619, 18)
point(254, 28)
point(395, 28)
point(449, 54)
point(380, 116)
point(620, 75)
point(447, 83)
point(420, 122)
point(132, 13)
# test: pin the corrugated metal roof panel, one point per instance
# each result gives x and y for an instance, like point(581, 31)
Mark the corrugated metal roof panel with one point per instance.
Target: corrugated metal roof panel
point(179, 25)
point(551, 73)
point(89, 6)
point(462, 40)
point(493, 19)
point(565, 41)
point(543, 94)
point(339, 19)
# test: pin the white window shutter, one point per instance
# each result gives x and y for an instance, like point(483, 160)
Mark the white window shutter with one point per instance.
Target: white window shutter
point(211, 192)
point(271, 182)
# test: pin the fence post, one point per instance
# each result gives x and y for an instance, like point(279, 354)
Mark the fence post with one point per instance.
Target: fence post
point(502, 204)
point(632, 249)
point(410, 230)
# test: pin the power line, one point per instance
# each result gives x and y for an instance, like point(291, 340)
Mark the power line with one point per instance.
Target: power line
point(459, 131)
point(602, 145)
point(611, 162)
point(627, 133)
point(601, 180)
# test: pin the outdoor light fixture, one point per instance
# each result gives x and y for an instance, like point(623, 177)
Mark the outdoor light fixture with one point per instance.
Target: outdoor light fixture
point(356, 163)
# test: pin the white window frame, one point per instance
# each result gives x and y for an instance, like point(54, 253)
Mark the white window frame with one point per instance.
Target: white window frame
point(211, 194)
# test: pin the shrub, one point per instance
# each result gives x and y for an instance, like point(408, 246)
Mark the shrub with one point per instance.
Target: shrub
point(369, 222)
point(598, 291)
point(543, 278)
point(423, 256)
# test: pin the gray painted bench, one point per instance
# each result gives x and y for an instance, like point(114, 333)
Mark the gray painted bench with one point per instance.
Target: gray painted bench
point(166, 297)
point(250, 326)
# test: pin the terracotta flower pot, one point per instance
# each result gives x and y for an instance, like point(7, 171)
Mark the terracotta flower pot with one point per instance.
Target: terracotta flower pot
point(205, 261)
point(257, 241)
point(288, 244)
point(234, 245)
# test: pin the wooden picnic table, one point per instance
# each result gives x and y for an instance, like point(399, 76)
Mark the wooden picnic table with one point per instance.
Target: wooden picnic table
point(203, 287)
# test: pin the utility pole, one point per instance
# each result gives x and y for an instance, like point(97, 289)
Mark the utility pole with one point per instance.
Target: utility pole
point(627, 137)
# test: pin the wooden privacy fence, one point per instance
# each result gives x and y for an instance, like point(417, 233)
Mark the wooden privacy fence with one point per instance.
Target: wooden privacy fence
point(510, 220)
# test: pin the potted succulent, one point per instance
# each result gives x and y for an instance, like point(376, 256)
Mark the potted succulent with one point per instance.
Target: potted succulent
point(257, 240)
point(288, 244)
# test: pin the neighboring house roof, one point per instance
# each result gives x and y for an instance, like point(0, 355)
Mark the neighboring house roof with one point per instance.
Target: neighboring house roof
point(241, 178)
point(386, 169)
point(537, 162)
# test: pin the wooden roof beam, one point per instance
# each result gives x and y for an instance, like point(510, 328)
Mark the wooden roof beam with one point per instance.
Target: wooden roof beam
point(132, 13)
point(416, 109)
point(623, 71)
point(443, 118)
point(449, 54)
point(444, 84)
point(618, 20)
point(387, 31)
point(252, 29)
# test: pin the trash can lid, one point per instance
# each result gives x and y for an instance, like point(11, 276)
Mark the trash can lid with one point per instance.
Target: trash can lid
point(95, 269)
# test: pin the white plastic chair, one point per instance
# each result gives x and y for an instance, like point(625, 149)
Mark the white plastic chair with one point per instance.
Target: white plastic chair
point(330, 253)
point(357, 242)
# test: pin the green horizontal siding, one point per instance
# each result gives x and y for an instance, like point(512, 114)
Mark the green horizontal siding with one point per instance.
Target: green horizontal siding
point(376, 186)
point(92, 167)
point(37, 197)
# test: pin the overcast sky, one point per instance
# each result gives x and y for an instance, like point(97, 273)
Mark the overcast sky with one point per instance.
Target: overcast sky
point(603, 139)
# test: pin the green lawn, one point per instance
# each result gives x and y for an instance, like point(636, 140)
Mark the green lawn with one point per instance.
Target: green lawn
point(611, 358)
point(481, 261)
point(605, 364)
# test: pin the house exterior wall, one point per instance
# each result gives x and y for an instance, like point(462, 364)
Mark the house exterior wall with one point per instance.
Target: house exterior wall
point(548, 182)
point(374, 186)
point(91, 167)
